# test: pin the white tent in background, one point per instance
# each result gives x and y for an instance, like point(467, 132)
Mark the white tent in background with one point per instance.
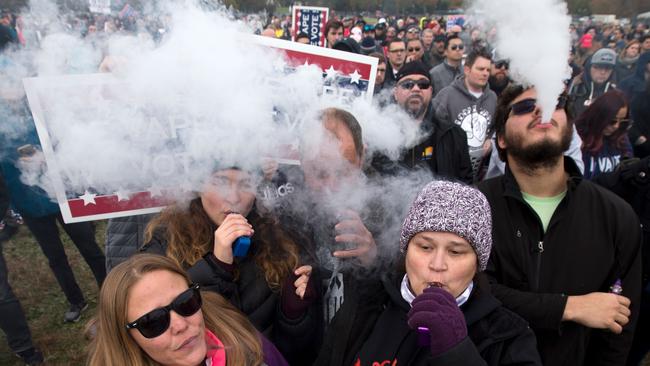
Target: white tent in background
point(645, 15)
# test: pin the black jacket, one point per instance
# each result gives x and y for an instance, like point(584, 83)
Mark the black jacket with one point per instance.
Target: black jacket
point(124, 236)
point(297, 339)
point(373, 329)
point(584, 91)
point(443, 151)
point(592, 239)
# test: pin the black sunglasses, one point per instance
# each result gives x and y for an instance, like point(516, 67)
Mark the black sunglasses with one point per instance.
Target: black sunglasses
point(502, 65)
point(156, 322)
point(528, 105)
point(457, 47)
point(415, 49)
point(409, 84)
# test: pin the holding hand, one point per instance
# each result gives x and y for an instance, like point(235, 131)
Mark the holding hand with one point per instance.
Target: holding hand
point(352, 230)
point(598, 310)
point(232, 227)
point(436, 310)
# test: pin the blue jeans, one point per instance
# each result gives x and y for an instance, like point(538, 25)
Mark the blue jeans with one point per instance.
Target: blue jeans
point(12, 318)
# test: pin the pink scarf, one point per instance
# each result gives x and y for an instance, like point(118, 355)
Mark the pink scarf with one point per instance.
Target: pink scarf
point(216, 353)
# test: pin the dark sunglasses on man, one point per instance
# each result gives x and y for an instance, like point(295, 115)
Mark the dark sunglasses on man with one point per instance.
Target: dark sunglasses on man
point(156, 322)
point(455, 47)
point(414, 49)
point(502, 65)
point(409, 84)
point(528, 105)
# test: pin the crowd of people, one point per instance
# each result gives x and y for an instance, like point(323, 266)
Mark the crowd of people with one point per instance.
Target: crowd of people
point(530, 247)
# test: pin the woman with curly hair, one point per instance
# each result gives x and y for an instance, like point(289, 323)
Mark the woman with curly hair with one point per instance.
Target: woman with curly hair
point(267, 284)
point(603, 128)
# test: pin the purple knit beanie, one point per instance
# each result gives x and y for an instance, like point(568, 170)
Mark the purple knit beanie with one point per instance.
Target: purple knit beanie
point(451, 207)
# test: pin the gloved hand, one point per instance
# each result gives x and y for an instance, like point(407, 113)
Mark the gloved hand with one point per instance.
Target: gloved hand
point(436, 310)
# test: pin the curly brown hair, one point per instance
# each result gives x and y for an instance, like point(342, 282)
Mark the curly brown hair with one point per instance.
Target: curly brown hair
point(190, 234)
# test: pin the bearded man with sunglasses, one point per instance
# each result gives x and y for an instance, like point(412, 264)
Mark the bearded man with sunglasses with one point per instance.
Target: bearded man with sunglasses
point(442, 147)
point(563, 247)
point(499, 76)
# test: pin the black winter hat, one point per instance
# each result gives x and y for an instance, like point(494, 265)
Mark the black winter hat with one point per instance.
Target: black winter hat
point(413, 68)
point(347, 45)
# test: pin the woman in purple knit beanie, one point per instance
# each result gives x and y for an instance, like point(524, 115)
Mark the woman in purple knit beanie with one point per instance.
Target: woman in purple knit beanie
point(437, 308)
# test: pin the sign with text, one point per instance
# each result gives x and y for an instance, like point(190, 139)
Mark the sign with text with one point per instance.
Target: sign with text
point(154, 149)
point(99, 6)
point(310, 20)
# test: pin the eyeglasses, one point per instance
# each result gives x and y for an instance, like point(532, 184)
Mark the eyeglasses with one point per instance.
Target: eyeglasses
point(414, 49)
point(413, 30)
point(528, 105)
point(409, 84)
point(156, 322)
point(397, 50)
point(457, 47)
point(502, 65)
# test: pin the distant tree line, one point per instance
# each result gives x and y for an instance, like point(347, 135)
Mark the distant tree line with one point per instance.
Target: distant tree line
point(622, 8)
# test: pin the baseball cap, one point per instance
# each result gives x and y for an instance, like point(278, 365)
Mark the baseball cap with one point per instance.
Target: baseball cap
point(604, 57)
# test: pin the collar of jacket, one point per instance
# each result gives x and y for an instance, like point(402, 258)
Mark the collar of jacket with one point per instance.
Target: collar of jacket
point(459, 83)
point(511, 187)
point(455, 70)
point(481, 302)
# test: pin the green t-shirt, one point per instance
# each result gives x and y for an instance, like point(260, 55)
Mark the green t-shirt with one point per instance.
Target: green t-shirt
point(544, 206)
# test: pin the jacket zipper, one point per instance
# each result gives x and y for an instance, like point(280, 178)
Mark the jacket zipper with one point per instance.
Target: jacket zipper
point(540, 250)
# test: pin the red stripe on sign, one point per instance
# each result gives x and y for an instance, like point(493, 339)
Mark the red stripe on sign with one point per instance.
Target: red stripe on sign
point(297, 58)
point(108, 204)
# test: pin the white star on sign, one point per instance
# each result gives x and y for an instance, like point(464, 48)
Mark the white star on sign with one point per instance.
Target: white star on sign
point(155, 191)
point(355, 77)
point(306, 63)
point(186, 186)
point(331, 73)
point(122, 195)
point(89, 198)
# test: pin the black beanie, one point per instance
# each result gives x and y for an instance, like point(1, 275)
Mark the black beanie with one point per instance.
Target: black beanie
point(413, 68)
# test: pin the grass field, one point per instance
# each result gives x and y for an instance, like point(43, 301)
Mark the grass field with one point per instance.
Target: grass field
point(44, 303)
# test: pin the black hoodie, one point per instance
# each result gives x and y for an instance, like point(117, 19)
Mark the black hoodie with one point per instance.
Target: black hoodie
point(584, 91)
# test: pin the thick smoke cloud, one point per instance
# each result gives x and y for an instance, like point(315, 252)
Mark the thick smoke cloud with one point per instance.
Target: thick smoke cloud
point(168, 113)
point(534, 35)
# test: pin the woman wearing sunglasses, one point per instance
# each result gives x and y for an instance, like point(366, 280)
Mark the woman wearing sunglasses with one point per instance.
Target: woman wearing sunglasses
point(150, 314)
point(603, 128)
point(265, 282)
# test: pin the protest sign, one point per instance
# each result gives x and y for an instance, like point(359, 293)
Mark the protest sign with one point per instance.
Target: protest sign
point(99, 6)
point(310, 20)
point(458, 19)
point(82, 197)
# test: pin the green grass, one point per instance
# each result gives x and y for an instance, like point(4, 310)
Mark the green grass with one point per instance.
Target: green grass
point(44, 302)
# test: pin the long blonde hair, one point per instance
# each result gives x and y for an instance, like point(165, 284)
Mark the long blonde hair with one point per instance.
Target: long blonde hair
point(113, 346)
